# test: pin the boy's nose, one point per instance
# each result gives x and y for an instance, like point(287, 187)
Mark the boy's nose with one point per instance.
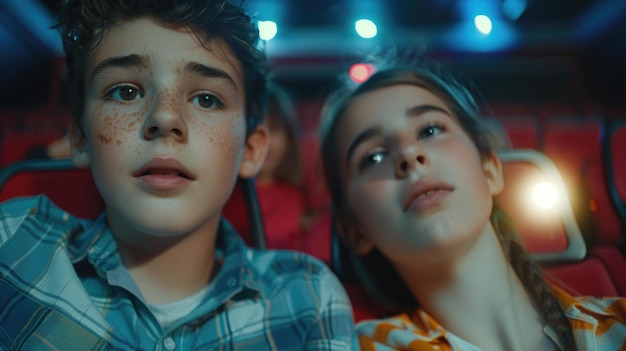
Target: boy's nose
point(411, 156)
point(166, 120)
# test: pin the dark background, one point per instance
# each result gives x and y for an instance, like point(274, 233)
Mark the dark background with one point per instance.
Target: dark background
point(565, 52)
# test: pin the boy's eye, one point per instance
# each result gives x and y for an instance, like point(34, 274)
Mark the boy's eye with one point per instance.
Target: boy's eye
point(206, 101)
point(430, 130)
point(371, 159)
point(124, 93)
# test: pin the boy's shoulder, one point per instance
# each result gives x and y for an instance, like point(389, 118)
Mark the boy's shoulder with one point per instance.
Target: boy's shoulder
point(30, 205)
point(36, 214)
point(14, 212)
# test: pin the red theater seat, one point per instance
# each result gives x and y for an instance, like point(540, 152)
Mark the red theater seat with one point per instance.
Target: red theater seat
point(523, 131)
point(74, 190)
point(15, 145)
point(604, 227)
point(69, 188)
point(574, 144)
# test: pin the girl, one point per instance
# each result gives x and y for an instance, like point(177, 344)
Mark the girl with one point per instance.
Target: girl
point(411, 171)
point(278, 183)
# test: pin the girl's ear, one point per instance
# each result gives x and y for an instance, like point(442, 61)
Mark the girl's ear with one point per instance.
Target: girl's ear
point(254, 152)
point(354, 237)
point(492, 166)
point(78, 146)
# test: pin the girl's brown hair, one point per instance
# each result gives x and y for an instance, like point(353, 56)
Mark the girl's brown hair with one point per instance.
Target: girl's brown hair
point(280, 108)
point(374, 270)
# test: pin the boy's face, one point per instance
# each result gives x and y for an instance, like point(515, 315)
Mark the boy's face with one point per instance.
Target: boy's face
point(164, 123)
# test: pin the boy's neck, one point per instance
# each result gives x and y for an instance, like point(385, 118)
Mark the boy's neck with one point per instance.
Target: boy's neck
point(482, 300)
point(171, 268)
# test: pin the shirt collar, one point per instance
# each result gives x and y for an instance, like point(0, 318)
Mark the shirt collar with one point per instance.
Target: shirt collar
point(579, 307)
point(236, 272)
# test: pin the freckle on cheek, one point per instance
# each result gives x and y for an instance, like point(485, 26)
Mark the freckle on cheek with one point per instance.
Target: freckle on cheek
point(103, 139)
point(228, 148)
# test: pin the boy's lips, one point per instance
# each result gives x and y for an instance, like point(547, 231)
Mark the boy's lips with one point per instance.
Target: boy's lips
point(425, 193)
point(164, 167)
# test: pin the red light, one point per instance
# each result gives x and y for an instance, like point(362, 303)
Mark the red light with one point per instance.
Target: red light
point(360, 72)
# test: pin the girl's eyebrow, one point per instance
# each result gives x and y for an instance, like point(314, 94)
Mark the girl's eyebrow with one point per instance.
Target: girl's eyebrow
point(118, 62)
point(421, 109)
point(361, 138)
point(414, 111)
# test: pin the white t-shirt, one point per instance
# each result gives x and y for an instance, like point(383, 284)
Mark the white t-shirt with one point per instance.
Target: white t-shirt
point(168, 313)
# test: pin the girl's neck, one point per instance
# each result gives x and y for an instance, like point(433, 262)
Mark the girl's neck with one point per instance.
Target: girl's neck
point(479, 298)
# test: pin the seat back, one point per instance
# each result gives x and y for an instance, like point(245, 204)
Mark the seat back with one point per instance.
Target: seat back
point(534, 196)
point(614, 160)
point(73, 190)
point(15, 145)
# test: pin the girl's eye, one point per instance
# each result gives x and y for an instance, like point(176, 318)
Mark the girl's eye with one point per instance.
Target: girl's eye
point(430, 130)
point(371, 159)
point(206, 101)
point(124, 93)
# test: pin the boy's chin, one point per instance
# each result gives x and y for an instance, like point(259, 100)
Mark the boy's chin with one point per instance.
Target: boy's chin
point(161, 228)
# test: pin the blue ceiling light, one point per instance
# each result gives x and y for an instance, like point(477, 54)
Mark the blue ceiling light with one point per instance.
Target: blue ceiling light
point(483, 24)
point(482, 28)
point(267, 30)
point(366, 28)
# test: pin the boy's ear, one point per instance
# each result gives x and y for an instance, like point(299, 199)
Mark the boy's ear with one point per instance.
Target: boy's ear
point(254, 152)
point(355, 238)
point(492, 166)
point(78, 145)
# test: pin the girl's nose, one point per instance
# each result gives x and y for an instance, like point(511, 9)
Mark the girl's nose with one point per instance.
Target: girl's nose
point(410, 156)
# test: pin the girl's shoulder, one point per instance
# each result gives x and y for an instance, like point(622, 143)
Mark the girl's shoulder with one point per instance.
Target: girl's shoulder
point(416, 325)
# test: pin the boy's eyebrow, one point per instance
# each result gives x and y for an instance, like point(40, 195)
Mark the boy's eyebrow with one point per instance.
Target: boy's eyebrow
point(138, 60)
point(121, 62)
point(414, 111)
point(209, 72)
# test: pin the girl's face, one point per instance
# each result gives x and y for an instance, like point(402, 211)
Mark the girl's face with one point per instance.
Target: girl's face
point(413, 178)
point(279, 141)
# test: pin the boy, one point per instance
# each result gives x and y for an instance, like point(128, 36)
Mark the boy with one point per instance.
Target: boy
point(166, 97)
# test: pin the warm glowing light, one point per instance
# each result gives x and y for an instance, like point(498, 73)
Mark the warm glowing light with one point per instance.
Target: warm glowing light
point(365, 28)
point(545, 195)
point(483, 24)
point(267, 30)
point(360, 72)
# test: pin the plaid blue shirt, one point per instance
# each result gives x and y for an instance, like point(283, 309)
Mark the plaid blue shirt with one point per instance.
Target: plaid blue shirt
point(259, 300)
